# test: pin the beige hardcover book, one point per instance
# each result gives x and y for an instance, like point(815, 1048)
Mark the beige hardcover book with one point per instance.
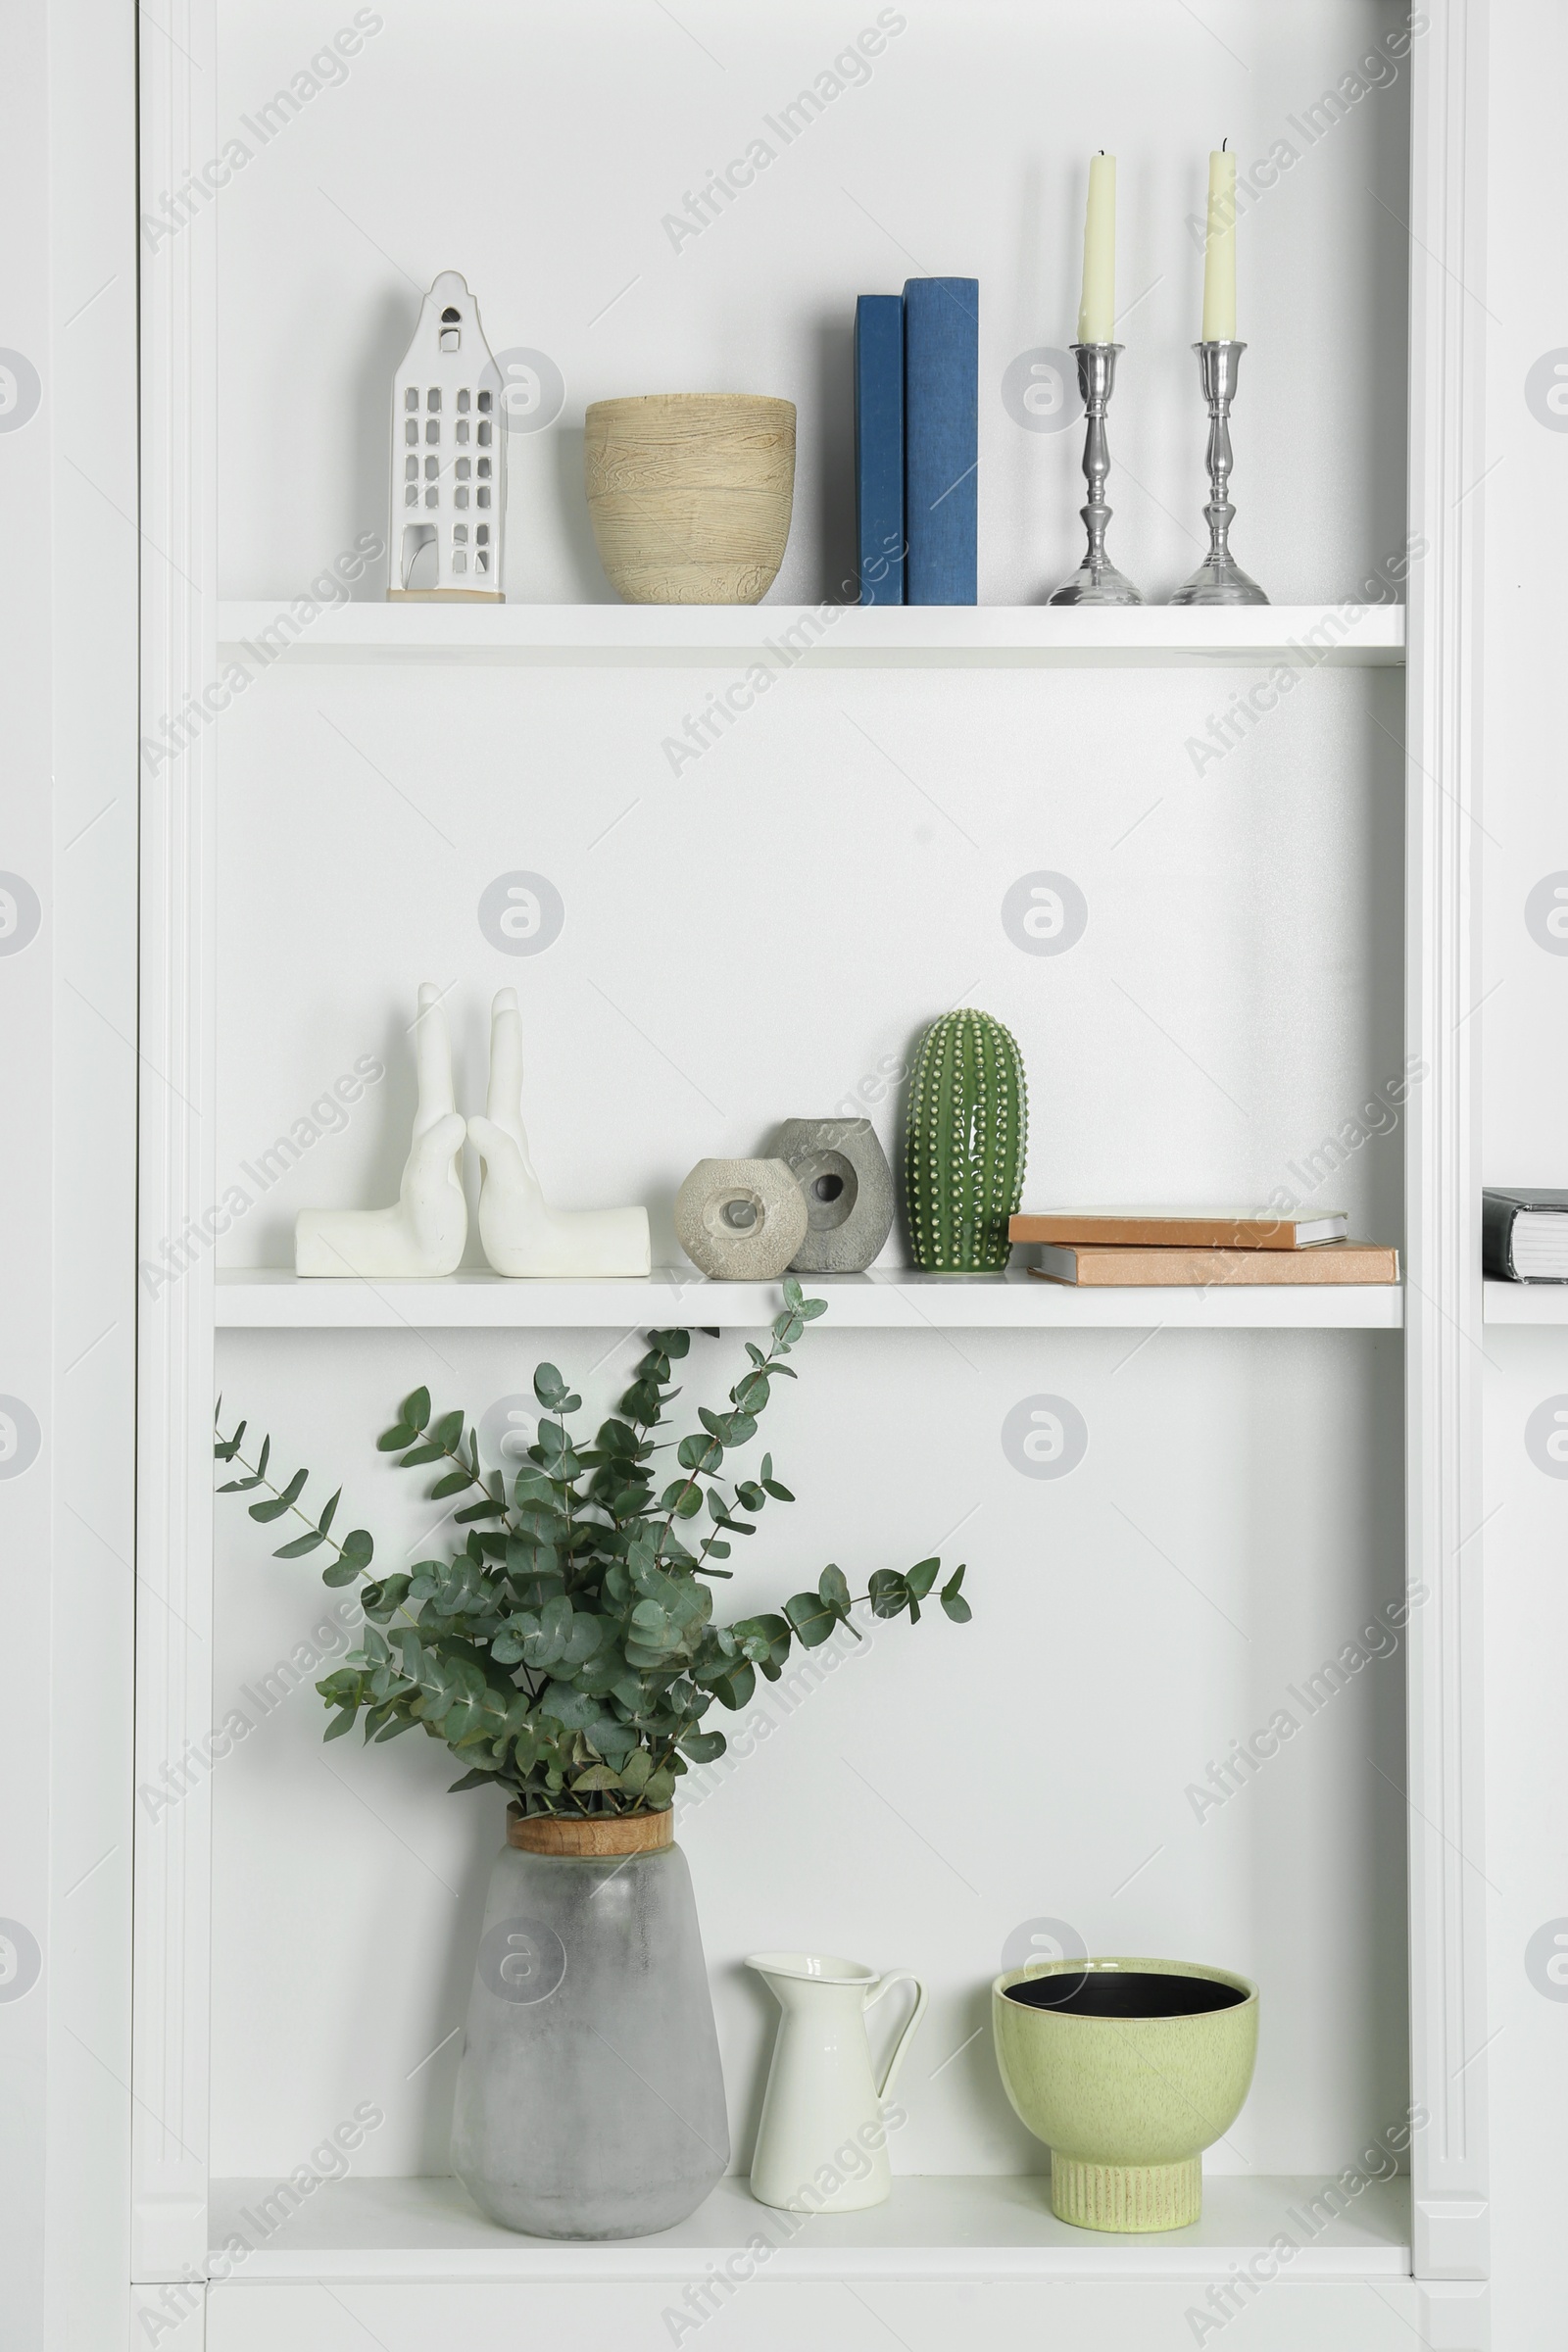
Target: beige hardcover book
point(1178, 1229)
point(1203, 1269)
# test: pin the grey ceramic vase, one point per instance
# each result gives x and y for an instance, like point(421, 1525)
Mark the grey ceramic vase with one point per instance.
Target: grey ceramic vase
point(590, 2102)
point(847, 1186)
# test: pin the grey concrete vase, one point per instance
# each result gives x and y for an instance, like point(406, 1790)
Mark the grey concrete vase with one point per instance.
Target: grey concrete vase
point(848, 1187)
point(741, 1220)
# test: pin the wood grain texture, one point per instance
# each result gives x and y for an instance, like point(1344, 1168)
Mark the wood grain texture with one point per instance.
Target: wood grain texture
point(690, 494)
point(609, 1834)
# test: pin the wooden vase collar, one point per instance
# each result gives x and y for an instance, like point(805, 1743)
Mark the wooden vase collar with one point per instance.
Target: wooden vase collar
point(590, 1834)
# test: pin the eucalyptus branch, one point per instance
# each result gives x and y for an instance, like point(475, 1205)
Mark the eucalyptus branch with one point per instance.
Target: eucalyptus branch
point(568, 1656)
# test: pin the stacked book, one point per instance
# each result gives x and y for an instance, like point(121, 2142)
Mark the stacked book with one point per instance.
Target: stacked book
point(917, 442)
point(1195, 1250)
point(1523, 1236)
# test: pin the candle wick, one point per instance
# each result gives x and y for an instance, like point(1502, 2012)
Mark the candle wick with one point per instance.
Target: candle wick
point(1224, 143)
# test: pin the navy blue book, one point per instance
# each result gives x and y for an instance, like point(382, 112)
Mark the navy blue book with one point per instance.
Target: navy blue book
point(879, 447)
point(940, 438)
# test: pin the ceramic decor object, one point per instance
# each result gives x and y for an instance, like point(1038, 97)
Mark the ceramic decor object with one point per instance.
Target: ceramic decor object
point(690, 494)
point(741, 1220)
point(821, 2145)
point(523, 1235)
point(449, 483)
point(424, 1233)
point(846, 1184)
point(965, 1137)
point(1127, 2070)
point(590, 2103)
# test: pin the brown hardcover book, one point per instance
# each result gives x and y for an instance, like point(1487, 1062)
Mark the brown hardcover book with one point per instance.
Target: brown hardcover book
point(1205, 1269)
point(1178, 1229)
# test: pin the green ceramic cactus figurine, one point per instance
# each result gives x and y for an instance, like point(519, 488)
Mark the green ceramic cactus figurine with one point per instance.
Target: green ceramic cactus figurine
point(964, 1143)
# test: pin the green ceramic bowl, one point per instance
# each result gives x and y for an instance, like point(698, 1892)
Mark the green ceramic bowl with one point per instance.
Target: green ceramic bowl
point(1128, 2070)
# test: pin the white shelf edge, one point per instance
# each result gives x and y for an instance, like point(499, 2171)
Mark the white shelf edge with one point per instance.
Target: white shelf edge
point(896, 1300)
point(257, 632)
point(958, 2227)
point(1524, 1301)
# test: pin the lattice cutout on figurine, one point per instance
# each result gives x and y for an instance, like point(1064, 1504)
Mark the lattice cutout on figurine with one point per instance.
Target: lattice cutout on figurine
point(446, 462)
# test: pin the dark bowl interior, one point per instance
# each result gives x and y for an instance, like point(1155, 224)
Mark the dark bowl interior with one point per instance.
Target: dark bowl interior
point(1124, 1992)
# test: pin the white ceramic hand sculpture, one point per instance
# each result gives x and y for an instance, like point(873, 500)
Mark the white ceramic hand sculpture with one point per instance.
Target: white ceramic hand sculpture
point(521, 1234)
point(424, 1233)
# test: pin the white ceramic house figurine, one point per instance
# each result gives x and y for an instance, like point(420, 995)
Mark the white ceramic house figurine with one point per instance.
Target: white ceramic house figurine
point(424, 1233)
point(448, 481)
point(521, 1234)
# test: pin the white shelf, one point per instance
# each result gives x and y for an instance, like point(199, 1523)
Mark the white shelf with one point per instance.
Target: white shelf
point(937, 2227)
point(1524, 1301)
point(893, 1301)
point(785, 636)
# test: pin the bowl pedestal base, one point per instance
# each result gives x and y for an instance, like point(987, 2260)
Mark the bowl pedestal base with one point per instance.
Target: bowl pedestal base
point(1126, 2196)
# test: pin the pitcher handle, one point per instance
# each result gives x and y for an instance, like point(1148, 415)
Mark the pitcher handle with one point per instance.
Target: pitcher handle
point(898, 1976)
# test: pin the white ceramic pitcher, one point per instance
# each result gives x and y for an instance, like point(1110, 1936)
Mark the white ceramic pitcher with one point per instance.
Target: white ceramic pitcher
point(822, 2143)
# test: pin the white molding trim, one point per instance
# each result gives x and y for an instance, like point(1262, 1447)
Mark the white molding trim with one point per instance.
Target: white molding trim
point(1457, 2318)
point(180, 622)
point(1443, 1302)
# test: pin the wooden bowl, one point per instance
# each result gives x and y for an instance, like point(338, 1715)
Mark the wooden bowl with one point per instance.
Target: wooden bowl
point(690, 494)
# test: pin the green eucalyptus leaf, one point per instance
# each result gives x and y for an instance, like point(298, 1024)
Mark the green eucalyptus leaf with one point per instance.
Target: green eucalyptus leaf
point(300, 1546)
point(416, 1409)
point(281, 1502)
point(890, 1594)
point(834, 1591)
point(812, 1621)
point(732, 1690)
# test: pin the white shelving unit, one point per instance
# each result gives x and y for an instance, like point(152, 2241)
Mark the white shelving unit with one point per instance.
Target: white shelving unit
point(880, 1300)
point(1305, 637)
point(822, 881)
point(966, 2229)
point(1525, 1301)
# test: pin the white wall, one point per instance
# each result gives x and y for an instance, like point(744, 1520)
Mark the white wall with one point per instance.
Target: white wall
point(1525, 1141)
point(68, 830)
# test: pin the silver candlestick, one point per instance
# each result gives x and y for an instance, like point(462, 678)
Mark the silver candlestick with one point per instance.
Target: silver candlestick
point(1219, 579)
point(1096, 581)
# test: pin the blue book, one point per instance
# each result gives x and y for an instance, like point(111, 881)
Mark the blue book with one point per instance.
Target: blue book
point(940, 438)
point(879, 447)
